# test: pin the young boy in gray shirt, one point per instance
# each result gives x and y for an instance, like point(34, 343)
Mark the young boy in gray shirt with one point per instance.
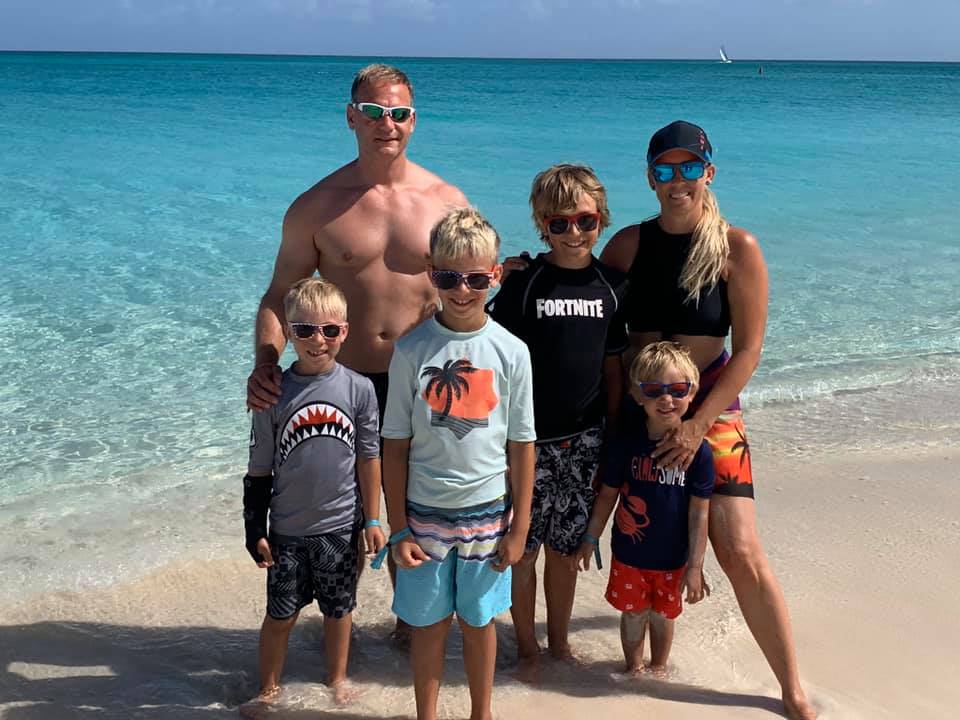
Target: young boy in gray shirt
point(314, 464)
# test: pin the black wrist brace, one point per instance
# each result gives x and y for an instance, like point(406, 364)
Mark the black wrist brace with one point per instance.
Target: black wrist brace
point(256, 503)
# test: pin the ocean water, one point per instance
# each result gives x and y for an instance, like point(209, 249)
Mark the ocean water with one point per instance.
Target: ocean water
point(141, 198)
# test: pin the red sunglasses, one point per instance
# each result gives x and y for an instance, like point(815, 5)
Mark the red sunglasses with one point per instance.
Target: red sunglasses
point(559, 224)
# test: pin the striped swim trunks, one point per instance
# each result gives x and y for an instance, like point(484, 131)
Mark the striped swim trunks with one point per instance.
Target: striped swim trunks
point(462, 545)
point(474, 532)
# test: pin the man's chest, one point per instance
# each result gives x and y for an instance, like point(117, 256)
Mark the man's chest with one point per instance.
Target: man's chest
point(395, 234)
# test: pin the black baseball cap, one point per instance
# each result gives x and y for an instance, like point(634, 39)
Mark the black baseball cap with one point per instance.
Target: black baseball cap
point(679, 135)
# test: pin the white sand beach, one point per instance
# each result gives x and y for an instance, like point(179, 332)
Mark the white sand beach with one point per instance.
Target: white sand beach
point(865, 545)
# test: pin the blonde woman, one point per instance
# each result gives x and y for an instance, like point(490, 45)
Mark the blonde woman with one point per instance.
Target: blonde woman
point(695, 279)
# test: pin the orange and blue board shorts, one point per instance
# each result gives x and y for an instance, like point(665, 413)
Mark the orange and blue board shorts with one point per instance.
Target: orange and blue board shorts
point(727, 437)
point(633, 590)
point(731, 455)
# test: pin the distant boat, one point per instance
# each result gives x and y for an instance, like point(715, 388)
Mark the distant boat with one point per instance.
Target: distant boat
point(723, 56)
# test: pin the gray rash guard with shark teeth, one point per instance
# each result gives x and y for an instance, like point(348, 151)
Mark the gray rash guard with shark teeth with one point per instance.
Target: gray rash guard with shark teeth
point(310, 441)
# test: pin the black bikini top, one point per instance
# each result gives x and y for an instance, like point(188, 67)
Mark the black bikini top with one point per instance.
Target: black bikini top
point(655, 301)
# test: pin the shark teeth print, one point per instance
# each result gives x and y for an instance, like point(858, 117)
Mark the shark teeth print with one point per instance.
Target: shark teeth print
point(316, 420)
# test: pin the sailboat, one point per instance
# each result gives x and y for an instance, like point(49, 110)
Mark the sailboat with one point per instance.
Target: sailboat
point(723, 56)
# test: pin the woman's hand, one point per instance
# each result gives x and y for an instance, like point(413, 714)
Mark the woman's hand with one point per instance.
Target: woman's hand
point(678, 447)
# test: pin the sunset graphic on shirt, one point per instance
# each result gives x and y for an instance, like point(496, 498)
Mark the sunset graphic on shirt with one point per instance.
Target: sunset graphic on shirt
point(460, 396)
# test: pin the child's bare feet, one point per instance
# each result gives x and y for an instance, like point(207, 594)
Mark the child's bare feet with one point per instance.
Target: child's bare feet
point(258, 707)
point(400, 637)
point(528, 670)
point(658, 671)
point(344, 692)
point(798, 708)
point(566, 654)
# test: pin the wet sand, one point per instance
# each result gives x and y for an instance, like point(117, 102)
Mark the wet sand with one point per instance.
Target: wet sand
point(865, 546)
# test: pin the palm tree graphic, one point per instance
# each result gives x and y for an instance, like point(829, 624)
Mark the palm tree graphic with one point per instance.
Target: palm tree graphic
point(449, 382)
point(743, 446)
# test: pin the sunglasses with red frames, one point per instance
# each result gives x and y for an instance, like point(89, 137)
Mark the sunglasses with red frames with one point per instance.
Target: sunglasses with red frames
point(449, 279)
point(559, 224)
point(653, 390)
point(305, 331)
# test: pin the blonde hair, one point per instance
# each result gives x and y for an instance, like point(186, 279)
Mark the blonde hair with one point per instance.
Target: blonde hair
point(708, 251)
point(314, 295)
point(655, 359)
point(461, 233)
point(379, 73)
point(558, 188)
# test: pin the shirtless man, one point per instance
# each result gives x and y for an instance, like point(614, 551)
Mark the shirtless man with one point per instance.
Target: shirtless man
point(365, 227)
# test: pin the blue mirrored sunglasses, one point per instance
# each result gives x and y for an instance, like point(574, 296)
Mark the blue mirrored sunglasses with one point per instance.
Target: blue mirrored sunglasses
point(665, 172)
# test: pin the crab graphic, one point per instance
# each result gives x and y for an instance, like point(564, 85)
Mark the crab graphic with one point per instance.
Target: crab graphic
point(631, 517)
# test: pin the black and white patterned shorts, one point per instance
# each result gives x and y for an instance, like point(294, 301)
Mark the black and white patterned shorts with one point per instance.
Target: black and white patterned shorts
point(322, 567)
point(563, 491)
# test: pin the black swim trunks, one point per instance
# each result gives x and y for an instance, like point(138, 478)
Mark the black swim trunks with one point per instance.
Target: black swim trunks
point(324, 568)
point(563, 492)
point(379, 381)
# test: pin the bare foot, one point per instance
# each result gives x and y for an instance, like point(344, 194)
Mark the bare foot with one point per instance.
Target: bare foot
point(259, 707)
point(798, 708)
point(528, 670)
point(566, 654)
point(658, 671)
point(344, 692)
point(400, 637)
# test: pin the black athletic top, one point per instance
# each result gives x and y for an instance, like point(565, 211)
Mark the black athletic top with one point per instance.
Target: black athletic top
point(657, 303)
point(570, 320)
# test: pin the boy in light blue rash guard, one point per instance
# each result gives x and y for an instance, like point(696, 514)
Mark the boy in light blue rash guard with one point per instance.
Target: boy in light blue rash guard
point(459, 408)
point(314, 461)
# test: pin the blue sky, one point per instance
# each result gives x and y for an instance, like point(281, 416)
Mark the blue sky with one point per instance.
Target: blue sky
point(770, 29)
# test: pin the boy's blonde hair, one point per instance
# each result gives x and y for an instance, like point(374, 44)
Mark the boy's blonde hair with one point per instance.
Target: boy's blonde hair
point(379, 73)
point(655, 359)
point(463, 233)
point(314, 295)
point(558, 188)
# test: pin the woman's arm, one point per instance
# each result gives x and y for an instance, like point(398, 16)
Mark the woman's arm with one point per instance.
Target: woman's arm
point(621, 249)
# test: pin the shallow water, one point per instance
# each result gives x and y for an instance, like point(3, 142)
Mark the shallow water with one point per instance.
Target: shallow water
point(140, 207)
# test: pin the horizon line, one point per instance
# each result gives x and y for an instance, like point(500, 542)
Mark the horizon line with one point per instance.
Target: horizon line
point(465, 57)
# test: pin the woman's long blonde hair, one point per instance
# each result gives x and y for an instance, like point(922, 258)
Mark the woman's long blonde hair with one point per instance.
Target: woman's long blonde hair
point(708, 250)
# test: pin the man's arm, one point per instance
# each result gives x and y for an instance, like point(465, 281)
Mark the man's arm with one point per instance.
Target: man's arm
point(297, 258)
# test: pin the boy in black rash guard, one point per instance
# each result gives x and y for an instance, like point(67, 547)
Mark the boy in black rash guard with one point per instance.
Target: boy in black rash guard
point(566, 306)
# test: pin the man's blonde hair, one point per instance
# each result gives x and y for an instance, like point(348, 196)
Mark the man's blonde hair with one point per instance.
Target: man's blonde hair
point(557, 190)
point(379, 73)
point(314, 295)
point(463, 233)
point(655, 359)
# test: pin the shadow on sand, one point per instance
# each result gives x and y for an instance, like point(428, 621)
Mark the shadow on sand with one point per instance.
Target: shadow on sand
point(86, 670)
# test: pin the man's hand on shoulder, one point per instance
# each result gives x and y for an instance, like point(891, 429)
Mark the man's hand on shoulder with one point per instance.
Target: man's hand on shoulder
point(515, 262)
point(263, 387)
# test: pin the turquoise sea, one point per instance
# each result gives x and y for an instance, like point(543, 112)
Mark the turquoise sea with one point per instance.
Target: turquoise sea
point(140, 206)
